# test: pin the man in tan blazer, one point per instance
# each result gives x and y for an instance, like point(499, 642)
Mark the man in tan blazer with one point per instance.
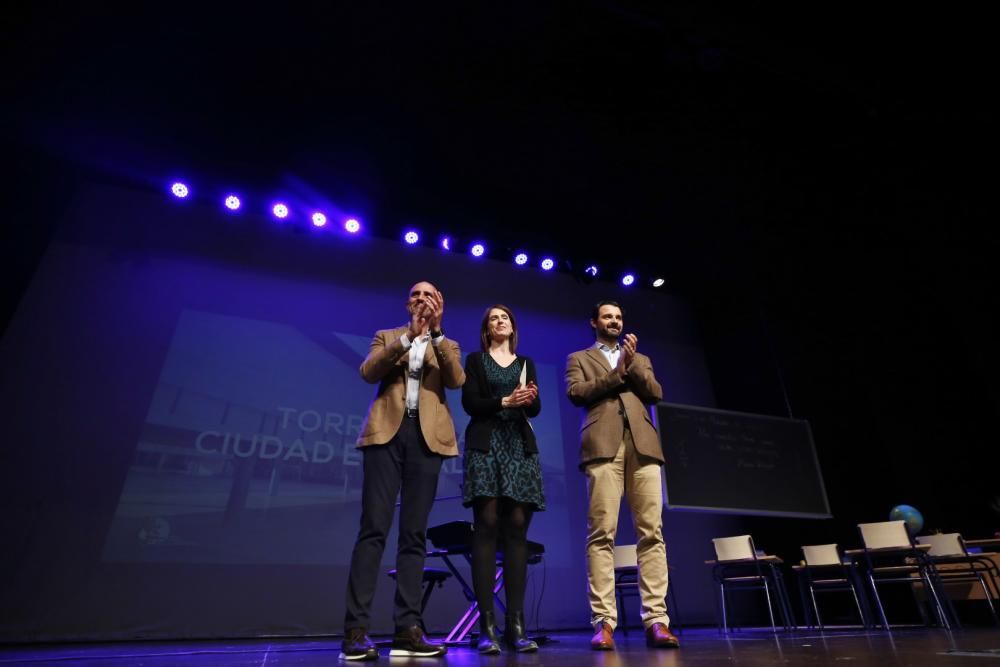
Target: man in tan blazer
point(620, 454)
point(406, 436)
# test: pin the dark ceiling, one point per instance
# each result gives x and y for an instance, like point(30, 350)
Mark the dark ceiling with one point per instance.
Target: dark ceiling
point(701, 141)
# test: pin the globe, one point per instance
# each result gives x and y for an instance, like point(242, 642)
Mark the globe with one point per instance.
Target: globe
point(911, 515)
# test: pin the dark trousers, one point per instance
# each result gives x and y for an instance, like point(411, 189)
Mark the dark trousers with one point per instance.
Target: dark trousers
point(403, 464)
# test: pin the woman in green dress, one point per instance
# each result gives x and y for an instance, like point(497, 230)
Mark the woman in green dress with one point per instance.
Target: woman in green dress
point(503, 477)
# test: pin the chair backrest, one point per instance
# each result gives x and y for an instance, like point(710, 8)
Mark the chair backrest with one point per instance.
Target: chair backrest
point(625, 556)
point(945, 544)
point(739, 547)
point(821, 554)
point(884, 535)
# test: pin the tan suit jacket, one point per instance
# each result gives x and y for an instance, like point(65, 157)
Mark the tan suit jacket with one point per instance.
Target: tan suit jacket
point(387, 364)
point(591, 384)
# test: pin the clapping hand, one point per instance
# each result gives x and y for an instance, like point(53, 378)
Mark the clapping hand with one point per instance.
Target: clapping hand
point(418, 321)
point(426, 314)
point(628, 347)
point(435, 310)
point(522, 396)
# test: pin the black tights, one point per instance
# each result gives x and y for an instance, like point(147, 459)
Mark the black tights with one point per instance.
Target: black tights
point(495, 517)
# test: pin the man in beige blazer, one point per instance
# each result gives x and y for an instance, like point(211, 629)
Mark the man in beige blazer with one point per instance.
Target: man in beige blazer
point(406, 436)
point(620, 454)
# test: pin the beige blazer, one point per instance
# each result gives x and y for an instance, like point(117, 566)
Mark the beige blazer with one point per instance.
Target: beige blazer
point(590, 384)
point(387, 364)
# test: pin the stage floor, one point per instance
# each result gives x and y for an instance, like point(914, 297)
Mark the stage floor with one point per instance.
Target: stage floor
point(700, 646)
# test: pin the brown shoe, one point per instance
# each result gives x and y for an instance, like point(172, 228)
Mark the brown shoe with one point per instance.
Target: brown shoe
point(413, 643)
point(603, 639)
point(658, 635)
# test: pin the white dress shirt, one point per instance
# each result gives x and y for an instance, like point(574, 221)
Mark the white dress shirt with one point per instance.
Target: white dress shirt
point(610, 353)
point(417, 348)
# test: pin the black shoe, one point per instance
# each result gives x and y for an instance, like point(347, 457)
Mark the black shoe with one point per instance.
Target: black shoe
point(357, 646)
point(513, 634)
point(488, 643)
point(412, 642)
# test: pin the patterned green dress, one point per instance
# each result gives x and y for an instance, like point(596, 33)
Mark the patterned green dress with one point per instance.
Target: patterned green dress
point(506, 470)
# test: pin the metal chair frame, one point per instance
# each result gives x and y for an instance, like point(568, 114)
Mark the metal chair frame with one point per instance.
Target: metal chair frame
point(837, 575)
point(738, 567)
point(891, 557)
point(950, 549)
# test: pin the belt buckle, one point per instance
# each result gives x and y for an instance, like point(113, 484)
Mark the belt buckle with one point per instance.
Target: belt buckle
point(412, 413)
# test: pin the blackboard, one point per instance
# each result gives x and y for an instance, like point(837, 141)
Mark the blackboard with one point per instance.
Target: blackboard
point(739, 463)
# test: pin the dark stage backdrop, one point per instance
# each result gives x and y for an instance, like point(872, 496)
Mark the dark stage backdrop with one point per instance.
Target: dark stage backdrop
point(181, 399)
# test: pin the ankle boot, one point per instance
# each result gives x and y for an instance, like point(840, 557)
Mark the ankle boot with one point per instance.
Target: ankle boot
point(488, 644)
point(514, 635)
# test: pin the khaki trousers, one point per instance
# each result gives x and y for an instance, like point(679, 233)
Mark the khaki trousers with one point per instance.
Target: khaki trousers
point(637, 478)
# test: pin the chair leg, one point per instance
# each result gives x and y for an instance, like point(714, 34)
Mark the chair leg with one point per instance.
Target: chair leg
point(993, 585)
point(428, 589)
point(938, 607)
point(928, 602)
point(989, 598)
point(857, 602)
point(944, 600)
point(622, 614)
point(722, 601)
point(994, 579)
point(786, 601)
point(804, 584)
point(812, 593)
point(878, 603)
point(770, 610)
point(858, 584)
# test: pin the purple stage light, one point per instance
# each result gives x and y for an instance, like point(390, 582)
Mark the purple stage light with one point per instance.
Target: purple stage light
point(280, 211)
point(411, 237)
point(319, 220)
point(233, 203)
point(591, 270)
point(628, 279)
point(520, 259)
point(352, 226)
point(659, 282)
point(548, 263)
point(446, 242)
point(477, 250)
point(179, 190)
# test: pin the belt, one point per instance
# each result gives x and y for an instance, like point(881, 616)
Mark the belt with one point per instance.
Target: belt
point(412, 413)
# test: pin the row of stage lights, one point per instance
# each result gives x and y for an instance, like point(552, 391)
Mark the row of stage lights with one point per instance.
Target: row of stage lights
point(281, 211)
